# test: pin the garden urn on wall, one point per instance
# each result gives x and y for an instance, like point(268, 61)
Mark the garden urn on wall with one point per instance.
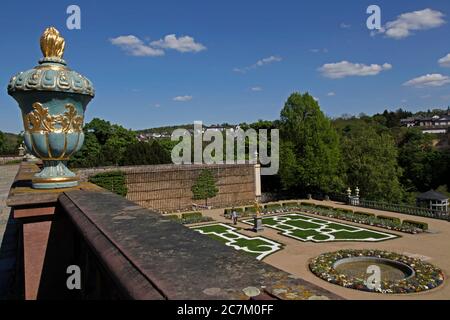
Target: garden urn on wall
point(53, 99)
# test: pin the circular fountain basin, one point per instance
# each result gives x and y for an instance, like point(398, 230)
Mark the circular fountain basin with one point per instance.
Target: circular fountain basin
point(356, 267)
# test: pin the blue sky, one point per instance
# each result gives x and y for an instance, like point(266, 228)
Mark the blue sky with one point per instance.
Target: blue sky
point(157, 63)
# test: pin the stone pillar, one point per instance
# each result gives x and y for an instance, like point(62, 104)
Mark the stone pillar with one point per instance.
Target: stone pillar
point(42, 257)
point(258, 182)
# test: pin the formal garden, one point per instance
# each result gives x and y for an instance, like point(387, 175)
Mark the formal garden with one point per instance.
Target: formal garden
point(381, 221)
point(305, 228)
point(259, 247)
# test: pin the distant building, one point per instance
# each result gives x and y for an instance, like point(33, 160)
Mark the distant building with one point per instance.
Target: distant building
point(433, 200)
point(435, 124)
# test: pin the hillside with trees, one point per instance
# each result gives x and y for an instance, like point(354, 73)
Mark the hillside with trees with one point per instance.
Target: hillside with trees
point(9, 143)
point(317, 154)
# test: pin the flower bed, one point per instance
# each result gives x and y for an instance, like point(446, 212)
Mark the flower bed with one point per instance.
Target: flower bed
point(426, 275)
point(370, 219)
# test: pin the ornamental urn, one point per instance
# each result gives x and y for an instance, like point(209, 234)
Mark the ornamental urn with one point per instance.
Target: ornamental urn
point(53, 99)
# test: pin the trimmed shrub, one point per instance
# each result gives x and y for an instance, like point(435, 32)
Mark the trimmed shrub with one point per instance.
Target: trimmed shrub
point(250, 209)
point(273, 206)
point(344, 211)
point(191, 215)
point(193, 220)
point(291, 204)
point(391, 219)
point(321, 206)
point(307, 204)
point(364, 214)
point(416, 224)
point(173, 217)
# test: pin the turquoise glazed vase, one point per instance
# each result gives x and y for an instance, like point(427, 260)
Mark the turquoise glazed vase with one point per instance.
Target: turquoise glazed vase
point(53, 100)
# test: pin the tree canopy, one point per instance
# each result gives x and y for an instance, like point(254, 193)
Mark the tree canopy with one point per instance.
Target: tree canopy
point(370, 162)
point(310, 154)
point(204, 187)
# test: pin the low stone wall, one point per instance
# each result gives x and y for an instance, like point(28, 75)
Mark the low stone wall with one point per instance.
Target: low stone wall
point(167, 188)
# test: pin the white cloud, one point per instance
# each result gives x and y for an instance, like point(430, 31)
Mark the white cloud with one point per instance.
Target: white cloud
point(182, 98)
point(256, 89)
point(331, 94)
point(157, 105)
point(445, 61)
point(405, 23)
point(181, 44)
point(429, 80)
point(268, 60)
point(344, 25)
point(259, 63)
point(324, 50)
point(136, 47)
point(347, 69)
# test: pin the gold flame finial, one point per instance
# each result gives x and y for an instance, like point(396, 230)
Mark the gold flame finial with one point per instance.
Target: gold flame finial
point(52, 44)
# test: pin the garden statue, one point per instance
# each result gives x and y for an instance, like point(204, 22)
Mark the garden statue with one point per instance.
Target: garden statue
point(53, 99)
point(21, 150)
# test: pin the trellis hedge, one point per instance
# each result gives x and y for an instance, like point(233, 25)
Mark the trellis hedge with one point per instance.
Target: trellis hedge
point(114, 181)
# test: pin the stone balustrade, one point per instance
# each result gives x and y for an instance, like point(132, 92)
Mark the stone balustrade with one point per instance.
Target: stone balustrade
point(127, 252)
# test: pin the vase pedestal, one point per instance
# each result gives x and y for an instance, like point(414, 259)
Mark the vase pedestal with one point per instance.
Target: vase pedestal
point(258, 224)
point(54, 175)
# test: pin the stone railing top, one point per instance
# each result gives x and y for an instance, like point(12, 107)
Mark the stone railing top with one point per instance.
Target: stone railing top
point(21, 193)
point(170, 261)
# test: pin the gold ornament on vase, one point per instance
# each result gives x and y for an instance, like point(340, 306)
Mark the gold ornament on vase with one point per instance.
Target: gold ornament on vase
point(52, 44)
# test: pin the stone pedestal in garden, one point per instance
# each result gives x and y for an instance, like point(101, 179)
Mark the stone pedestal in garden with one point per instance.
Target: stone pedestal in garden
point(258, 224)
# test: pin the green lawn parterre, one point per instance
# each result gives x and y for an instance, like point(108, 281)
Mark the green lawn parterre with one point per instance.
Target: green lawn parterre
point(259, 247)
point(305, 228)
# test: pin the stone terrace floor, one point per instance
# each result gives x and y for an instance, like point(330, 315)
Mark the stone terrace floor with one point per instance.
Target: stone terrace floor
point(8, 232)
point(433, 247)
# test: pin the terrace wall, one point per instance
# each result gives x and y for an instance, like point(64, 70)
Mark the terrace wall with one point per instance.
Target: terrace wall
point(167, 188)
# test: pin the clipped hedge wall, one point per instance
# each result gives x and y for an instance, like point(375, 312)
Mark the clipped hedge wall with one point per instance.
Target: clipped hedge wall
point(273, 206)
point(290, 204)
point(416, 224)
point(250, 209)
point(391, 219)
point(114, 181)
point(307, 204)
point(173, 217)
point(191, 215)
point(345, 211)
point(321, 206)
point(364, 214)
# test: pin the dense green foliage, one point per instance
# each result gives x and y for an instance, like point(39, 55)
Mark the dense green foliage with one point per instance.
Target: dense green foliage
point(370, 162)
point(9, 143)
point(387, 162)
point(145, 153)
point(2, 142)
point(113, 181)
point(109, 144)
point(205, 186)
point(310, 154)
